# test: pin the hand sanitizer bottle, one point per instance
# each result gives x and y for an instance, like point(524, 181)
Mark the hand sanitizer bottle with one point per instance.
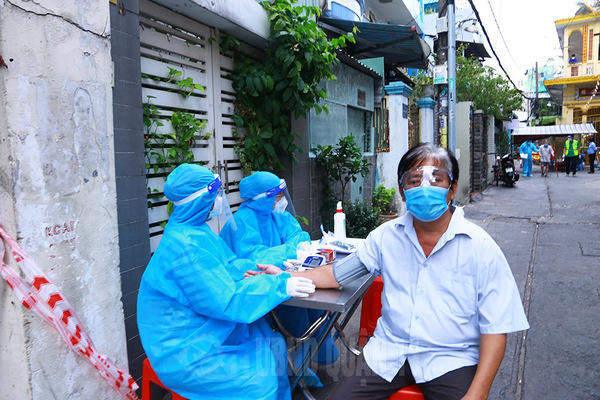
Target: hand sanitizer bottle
point(339, 223)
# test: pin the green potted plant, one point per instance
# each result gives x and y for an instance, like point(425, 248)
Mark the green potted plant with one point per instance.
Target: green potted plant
point(361, 219)
point(341, 164)
point(383, 202)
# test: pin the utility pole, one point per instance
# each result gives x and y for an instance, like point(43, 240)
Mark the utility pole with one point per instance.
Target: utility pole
point(442, 57)
point(446, 47)
point(537, 95)
point(451, 79)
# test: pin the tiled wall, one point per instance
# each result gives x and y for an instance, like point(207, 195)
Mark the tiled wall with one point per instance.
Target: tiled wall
point(129, 166)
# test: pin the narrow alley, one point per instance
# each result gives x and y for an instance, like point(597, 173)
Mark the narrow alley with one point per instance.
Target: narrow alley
point(549, 230)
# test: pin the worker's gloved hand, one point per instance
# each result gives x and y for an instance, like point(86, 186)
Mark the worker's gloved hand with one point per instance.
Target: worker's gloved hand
point(299, 287)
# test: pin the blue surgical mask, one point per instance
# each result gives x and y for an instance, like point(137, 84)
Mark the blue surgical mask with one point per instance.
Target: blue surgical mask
point(426, 203)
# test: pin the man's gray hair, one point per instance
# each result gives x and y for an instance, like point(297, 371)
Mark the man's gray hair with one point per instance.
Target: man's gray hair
point(423, 151)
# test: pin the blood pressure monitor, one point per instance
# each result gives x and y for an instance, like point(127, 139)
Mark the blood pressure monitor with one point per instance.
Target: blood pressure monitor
point(313, 261)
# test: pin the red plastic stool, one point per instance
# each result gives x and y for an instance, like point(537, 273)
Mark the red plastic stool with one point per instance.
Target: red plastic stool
point(408, 393)
point(370, 311)
point(149, 376)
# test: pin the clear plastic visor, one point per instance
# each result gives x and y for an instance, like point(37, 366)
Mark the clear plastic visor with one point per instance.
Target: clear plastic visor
point(273, 191)
point(290, 205)
point(426, 176)
point(226, 215)
point(211, 188)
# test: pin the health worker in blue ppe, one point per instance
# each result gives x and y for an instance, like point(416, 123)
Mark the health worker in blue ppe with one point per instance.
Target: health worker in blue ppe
point(268, 234)
point(527, 148)
point(201, 323)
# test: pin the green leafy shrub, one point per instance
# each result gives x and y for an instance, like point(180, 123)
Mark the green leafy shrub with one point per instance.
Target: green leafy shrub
point(342, 163)
point(283, 83)
point(382, 199)
point(165, 151)
point(361, 218)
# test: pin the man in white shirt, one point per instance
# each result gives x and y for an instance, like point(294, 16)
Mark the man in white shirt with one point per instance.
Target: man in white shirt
point(449, 296)
point(546, 154)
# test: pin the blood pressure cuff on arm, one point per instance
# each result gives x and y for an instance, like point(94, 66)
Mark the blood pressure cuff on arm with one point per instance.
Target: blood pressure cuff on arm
point(349, 269)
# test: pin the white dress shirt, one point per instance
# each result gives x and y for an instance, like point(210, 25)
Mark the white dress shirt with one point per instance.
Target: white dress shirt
point(435, 308)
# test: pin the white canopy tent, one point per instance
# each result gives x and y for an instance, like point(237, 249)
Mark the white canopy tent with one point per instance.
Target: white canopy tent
point(553, 130)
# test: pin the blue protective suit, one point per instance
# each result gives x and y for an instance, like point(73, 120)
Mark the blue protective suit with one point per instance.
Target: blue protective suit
point(527, 148)
point(200, 322)
point(268, 237)
point(263, 235)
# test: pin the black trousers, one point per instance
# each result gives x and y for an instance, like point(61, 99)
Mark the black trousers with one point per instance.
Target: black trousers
point(363, 383)
point(571, 164)
point(592, 160)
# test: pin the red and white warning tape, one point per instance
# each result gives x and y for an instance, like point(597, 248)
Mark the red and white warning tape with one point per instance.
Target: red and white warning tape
point(41, 296)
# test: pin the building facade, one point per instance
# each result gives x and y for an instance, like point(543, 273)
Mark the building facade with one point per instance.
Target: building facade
point(578, 90)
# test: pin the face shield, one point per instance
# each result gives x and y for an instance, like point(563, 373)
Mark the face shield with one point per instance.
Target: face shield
point(221, 211)
point(283, 201)
point(426, 176)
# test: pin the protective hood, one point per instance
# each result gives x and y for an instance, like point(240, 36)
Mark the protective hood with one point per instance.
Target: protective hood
point(256, 184)
point(185, 180)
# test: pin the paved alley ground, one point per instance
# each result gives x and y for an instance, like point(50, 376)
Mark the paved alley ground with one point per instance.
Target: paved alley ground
point(549, 230)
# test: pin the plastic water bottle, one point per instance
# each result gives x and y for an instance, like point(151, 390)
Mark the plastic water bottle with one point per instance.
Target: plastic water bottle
point(339, 223)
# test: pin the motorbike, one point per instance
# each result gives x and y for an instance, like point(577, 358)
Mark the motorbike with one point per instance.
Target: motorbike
point(505, 171)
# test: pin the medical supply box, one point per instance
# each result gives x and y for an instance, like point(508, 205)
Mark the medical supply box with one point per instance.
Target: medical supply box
point(328, 254)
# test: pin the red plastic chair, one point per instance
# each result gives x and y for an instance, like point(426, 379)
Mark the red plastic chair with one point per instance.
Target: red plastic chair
point(370, 311)
point(408, 393)
point(149, 376)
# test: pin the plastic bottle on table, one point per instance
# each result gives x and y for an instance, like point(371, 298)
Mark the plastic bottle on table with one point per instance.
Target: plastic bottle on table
point(339, 223)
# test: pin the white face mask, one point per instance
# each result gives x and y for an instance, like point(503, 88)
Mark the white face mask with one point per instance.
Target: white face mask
point(280, 206)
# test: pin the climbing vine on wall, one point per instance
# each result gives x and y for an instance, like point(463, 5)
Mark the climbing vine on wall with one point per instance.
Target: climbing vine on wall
point(165, 151)
point(284, 83)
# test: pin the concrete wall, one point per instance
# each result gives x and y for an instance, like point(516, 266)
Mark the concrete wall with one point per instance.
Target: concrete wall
point(490, 128)
point(426, 111)
point(464, 129)
point(57, 188)
point(245, 19)
point(387, 162)
point(479, 162)
point(341, 94)
point(345, 111)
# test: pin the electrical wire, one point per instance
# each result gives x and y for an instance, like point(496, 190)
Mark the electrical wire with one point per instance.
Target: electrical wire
point(492, 48)
point(502, 36)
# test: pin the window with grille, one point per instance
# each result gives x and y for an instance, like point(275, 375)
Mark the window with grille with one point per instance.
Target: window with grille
point(574, 71)
point(368, 123)
point(593, 115)
point(382, 133)
point(577, 116)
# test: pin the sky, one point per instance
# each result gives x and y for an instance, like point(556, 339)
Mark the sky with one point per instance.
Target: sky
point(527, 27)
